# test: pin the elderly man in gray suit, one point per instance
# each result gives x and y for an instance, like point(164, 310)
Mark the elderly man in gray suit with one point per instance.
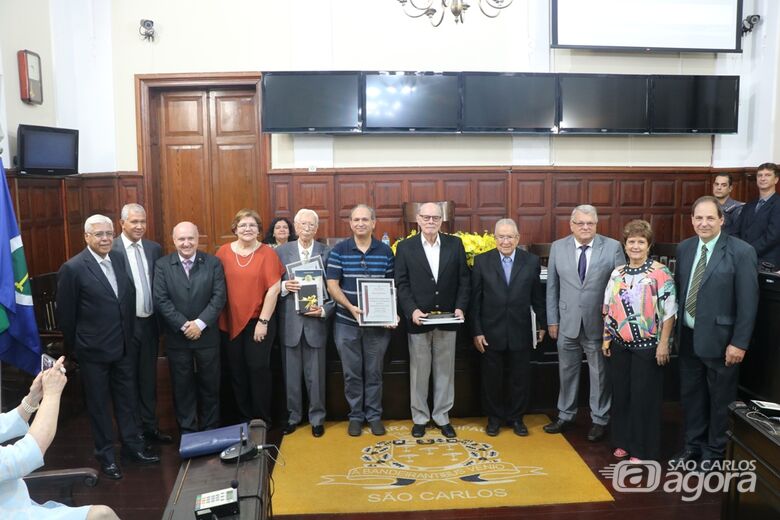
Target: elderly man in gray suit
point(304, 336)
point(577, 274)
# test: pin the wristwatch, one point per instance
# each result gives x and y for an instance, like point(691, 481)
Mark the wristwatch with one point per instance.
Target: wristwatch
point(261, 320)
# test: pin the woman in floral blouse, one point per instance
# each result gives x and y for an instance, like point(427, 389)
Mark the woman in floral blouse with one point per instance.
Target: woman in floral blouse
point(640, 308)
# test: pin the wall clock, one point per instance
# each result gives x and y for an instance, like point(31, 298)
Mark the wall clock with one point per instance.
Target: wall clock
point(30, 83)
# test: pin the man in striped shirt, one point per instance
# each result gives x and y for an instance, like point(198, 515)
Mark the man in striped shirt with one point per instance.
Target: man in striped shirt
point(361, 349)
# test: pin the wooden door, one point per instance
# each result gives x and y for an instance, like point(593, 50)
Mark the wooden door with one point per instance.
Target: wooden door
point(209, 147)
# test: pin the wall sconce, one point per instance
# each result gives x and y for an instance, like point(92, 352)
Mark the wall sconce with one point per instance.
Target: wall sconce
point(146, 30)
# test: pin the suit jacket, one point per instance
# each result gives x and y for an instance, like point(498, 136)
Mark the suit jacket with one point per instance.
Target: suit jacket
point(762, 230)
point(291, 324)
point(95, 323)
point(502, 313)
point(571, 303)
point(417, 288)
point(179, 299)
point(727, 301)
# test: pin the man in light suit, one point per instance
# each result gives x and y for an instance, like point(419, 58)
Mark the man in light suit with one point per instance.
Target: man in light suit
point(505, 287)
point(577, 274)
point(717, 284)
point(140, 255)
point(96, 312)
point(431, 275)
point(305, 335)
point(189, 294)
point(759, 223)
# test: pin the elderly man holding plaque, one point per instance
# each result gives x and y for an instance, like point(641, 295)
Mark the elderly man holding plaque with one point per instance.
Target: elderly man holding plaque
point(432, 280)
point(353, 262)
point(304, 327)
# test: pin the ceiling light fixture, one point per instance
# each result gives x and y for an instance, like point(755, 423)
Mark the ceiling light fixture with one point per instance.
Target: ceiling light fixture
point(418, 8)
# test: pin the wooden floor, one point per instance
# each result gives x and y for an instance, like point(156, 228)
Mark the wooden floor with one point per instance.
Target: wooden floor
point(143, 492)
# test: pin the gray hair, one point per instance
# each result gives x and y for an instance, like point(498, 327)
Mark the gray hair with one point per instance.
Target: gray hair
point(587, 209)
point(127, 208)
point(363, 206)
point(436, 205)
point(96, 219)
point(306, 211)
point(506, 222)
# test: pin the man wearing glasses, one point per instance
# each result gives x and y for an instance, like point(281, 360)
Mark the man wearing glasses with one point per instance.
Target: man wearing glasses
point(431, 276)
point(577, 274)
point(96, 312)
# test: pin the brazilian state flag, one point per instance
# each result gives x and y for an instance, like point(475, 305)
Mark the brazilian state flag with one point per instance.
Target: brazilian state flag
point(19, 342)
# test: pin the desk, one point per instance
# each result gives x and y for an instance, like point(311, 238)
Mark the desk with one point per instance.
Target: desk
point(208, 473)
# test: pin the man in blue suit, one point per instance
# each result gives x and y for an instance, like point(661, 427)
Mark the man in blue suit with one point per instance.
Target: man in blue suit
point(759, 223)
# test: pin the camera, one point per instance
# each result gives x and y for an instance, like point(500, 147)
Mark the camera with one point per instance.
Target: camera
point(148, 25)
point(749, 22)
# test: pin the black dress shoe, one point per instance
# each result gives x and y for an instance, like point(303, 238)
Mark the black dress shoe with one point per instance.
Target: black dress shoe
point(317, 431)
point(684, 456)
point(289, 428)
point(158, 437)
point(448, 431)
point(596, 432)
point(418, 430)
point(559, 426)
point(141, 457)
point(111, 471)
point(493, 427)
point(520, 429)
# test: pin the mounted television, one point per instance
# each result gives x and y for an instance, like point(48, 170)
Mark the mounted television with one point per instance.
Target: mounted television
point(411, 102)
point(302, 102)
point(496, 102)
point(694, 104)
point(603, 103)
point(47, 151)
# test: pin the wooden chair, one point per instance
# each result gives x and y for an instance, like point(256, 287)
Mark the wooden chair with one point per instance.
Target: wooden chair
point(409, 215)
point(541, 250)
point(44, 292)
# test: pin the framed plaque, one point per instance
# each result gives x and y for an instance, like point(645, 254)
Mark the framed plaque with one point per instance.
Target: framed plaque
point(376, 298)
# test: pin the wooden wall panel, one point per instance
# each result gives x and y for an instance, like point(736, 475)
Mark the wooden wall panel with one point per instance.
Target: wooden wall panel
point(74, 223)
point(131, 189)
point(631, 193)
point(99, 195)
point(567, 192)
point(662, 193)
point(40, 215)
point(315, 193)
point(601, 192)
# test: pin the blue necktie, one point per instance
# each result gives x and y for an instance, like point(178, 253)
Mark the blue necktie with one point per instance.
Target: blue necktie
point(582, 266)
point(506, 262)
point(760, 204)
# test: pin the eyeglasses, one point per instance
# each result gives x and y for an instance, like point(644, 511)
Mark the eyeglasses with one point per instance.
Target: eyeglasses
point(102, 234)
point(505, 238)
point(580, 223)
point(430, 218)
point(246, 225)
point(307, 225)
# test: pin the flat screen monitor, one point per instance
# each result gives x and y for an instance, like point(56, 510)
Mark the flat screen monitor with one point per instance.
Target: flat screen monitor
point(603, 103)
point(46, 150)
point(494, 102)
point(412, 102)
point(300, 102)
point(694, 104)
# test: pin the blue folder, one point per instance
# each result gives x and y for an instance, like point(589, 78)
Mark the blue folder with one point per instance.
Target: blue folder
point(211, 441)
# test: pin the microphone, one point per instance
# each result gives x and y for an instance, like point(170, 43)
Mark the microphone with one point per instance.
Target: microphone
point(242, 450)
point(242, 436)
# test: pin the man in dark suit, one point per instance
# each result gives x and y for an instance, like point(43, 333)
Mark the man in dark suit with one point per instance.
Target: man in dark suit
point(189, 294)
point(759, 223)
point(505, 287)
point(431, 276)
point(717, 285)
point(140, 255)
point(304, 335)
point(96, 311)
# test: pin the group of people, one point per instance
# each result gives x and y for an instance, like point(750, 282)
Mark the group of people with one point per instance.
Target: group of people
point(117, 296)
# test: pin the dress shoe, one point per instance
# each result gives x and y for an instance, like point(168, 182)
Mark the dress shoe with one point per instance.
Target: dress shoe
point(289, 428)
point(418, 430)
point(520, 429)
point(596, 432)
point(559, 426)
point(355, 428)
point(684, 456)
point(317, 430)
point(493, 427)
point(141, 456)
point(111, 471)
point(158, 437)
point(448, 431)
point(377, 428)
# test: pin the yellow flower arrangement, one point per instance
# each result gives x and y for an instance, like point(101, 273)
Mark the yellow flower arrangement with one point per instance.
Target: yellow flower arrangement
point(473, 243)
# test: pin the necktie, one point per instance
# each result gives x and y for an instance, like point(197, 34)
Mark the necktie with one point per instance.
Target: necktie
point(506, 262)
point(698, 273)
point(582, 266)
point(187, 264)
point(144, 279)
point(305, 255)
point(109, 272)
point(760, 204)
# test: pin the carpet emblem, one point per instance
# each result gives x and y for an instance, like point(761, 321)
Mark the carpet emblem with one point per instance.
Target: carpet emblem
point(394, 464)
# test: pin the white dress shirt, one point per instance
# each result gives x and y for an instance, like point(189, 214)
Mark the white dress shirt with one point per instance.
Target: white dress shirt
point(131, 259)
point(433, 254)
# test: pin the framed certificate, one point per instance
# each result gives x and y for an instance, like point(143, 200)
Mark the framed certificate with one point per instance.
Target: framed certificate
point(376, 298)
point(310, 295)
point(301, 270)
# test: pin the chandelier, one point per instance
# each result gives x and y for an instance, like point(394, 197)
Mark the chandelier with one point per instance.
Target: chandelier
point(418, 8)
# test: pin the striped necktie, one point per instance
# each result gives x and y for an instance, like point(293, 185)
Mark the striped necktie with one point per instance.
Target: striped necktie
point(698, 274)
